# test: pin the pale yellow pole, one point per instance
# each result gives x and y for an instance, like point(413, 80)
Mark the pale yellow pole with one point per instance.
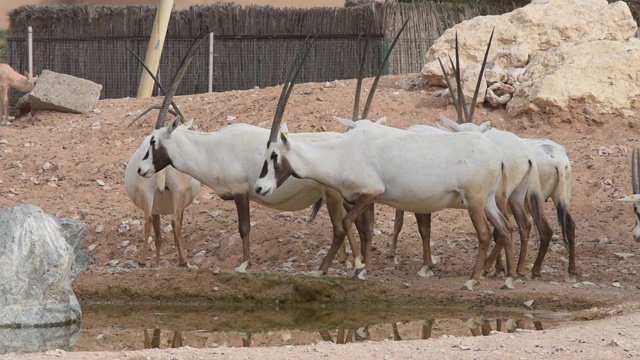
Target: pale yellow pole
point(154, 51)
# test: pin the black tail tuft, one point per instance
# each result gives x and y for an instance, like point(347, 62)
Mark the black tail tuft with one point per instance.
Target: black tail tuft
point(316, 208)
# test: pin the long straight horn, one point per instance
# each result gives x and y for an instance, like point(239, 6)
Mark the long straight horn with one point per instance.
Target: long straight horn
point(182, 69)
point(286, 92)
point(367, 105)
point(155, 79)
point(461, 99)
point(475, 93)
point(635, 170)
point(363, 60)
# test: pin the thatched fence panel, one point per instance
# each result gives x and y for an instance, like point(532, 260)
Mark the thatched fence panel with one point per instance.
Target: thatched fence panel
point(254, 45)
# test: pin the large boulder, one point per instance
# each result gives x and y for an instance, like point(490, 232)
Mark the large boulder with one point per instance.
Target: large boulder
point(602, 75)
point(64, 93)
point(40, 257)
point(529, 32)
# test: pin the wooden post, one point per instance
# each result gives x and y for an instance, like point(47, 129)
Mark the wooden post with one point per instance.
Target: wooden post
point(30, 51)
point(154, 50)
point(210, 62)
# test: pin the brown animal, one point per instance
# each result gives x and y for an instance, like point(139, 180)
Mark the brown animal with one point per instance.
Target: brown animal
point(10, 79)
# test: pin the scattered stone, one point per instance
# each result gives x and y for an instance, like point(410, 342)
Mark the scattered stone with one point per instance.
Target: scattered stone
point(624, 256)
point(528, 303)
point(616, 284)
point(100, 182)
point(230, 117)
point(123, 227)
point(99, 228)
point(112, 263)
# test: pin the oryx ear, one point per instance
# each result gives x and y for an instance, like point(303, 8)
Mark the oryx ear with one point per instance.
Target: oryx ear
point(450, 123)
point(284, 134)
point(486, 126)
point(633, 197)
point(442, 127)
point(174, 125)
point(188, 124)
point(350, 124)
point(382, 121)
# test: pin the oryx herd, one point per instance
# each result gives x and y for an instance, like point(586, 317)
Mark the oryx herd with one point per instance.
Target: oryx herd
point(491, 173)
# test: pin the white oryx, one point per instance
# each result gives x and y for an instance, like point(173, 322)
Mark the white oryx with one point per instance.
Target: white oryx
point(167, 192)
point(408, 171)
point(635, 187)
point(229, 161)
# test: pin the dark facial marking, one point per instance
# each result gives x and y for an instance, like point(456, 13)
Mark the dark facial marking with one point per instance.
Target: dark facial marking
point(283, 171)
point(264, 170)
point(635, 210)
point(161, 158)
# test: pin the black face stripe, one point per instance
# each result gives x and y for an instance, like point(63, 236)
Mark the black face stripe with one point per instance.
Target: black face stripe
point(263, 173)
point(268, 143)
point(274, 157)
point(161, 158)
point(283, 171)
point(146, 156)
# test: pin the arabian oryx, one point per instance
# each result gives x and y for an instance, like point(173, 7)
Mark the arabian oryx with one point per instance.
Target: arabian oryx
point(537, 168)
point(10, 79)
point(229, 160)
point(408, 171)
point(166, 192)
point(635, 187)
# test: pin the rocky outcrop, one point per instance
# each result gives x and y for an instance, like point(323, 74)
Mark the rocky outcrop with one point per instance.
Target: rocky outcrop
point(40, 257)
point(64, 93)
point(542, 52)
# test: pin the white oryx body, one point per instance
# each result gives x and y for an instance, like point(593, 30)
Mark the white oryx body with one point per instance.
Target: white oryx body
point(405, 170)
point(229, 161)
point(635, 187)
point(168, 192)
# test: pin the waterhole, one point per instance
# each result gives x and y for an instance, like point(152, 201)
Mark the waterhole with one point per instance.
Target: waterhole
point(116, 328)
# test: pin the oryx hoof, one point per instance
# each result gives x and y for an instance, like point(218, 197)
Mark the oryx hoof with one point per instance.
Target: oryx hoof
point(426, 272)
point(469, 284)
point(348, 265)
point(508, 284)
point(395, 260)
point(359, 274)
point(571, 278)
point(188, 266)
point(242, 268)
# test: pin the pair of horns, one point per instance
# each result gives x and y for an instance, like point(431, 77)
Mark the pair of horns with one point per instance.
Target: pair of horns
point(374, 86)
point(177, 77)
point(464, 114)
point(287, 88)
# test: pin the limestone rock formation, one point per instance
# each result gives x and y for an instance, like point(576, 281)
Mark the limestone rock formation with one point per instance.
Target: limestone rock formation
point(544, 50)
point(64, 93)
point(40, 257)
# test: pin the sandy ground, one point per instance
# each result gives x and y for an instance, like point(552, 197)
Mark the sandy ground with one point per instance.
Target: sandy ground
point(73, 165)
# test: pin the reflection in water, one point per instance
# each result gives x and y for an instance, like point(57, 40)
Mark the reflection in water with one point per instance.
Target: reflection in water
point(38, 339)
point(153, 341)
point(478, 326)
point(124, 328)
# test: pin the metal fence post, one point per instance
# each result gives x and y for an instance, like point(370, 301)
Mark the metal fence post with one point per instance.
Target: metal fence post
point(211, 62)
point(30, 51)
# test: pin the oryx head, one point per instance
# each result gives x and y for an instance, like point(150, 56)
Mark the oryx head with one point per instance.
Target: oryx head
point(635, 186)
point(158, 147)
point(276, 168)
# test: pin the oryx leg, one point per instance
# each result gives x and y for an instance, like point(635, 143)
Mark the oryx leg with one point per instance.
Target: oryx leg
point(336, 214)
point(424, 228)
point(244, 226)
point(477, 214)
point(358, 208)
point(157, 239)
point(4, 102)
point(142, 256)
point(397, 227)
point(364, 223)
point(536, 206)
point(502, 230)
point(176, 224)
